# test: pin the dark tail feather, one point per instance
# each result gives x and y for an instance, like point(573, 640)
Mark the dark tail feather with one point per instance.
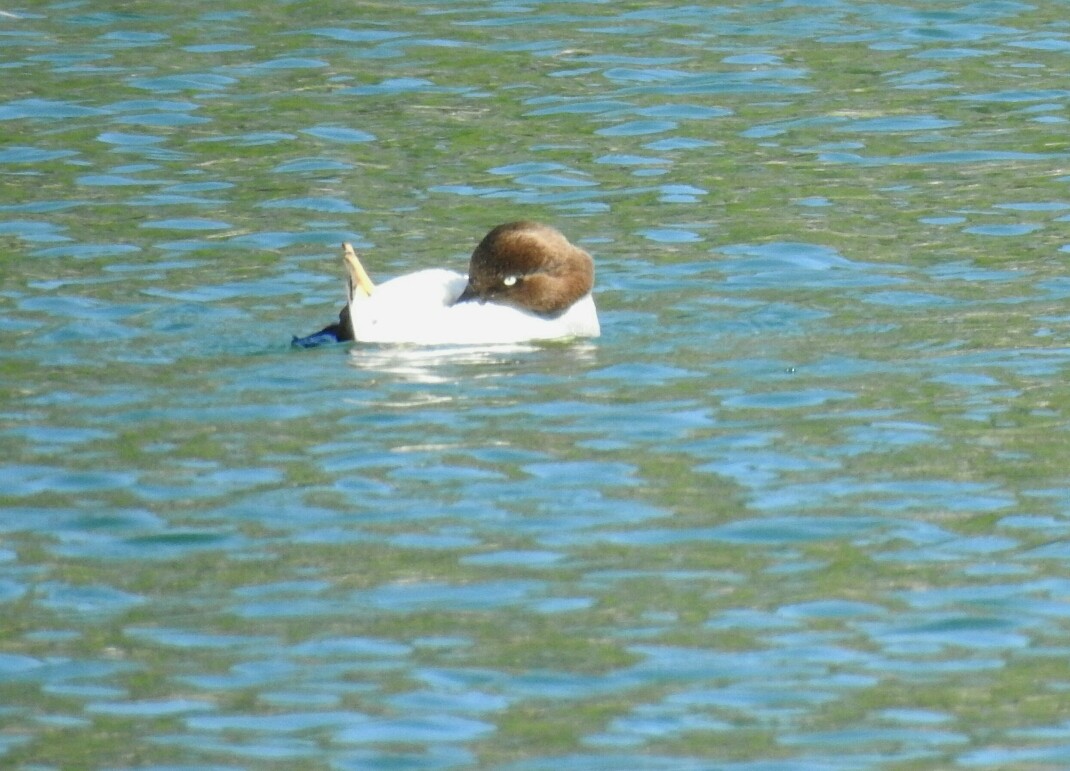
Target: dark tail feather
point(340, 332)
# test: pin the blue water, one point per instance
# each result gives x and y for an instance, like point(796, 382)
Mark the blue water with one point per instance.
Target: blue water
point(802, 506)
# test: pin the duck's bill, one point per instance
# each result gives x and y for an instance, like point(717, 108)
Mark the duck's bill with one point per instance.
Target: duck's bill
point(468, 295)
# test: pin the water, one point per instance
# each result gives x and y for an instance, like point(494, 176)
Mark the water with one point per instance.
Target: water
point(803, 505)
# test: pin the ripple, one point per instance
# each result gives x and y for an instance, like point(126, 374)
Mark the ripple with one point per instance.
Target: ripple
point(644, 75)
point(670, 235)
point(349, 647)
point(87, 251)
point(290, 63)
point(61, 435)
point(262, 749)
point(285, 239)
point(281, 723)
point(1043, 95)
point(42, 207)
point(311, 164)
point(638, 128)
point(790, 254)
point(251, 139)
point(20, 154)
point(967, 632)
point(831, 609)
point(339, 134)
point(908, 299)
point(578, 107)
point(554, 180)
point(1010, 229)
point(1035, 206)
point(467, 701)
point(129, 140)
point(13, 663)
point(324, 204)
point(182, 638)
point(186, 223)
point(583, 472)
point(170, 545)
point(760, 468)
point(792, 529)
point(50, 109)
point(622, 159)
point(149, 708)
point(898, 123)
point(681, 194)
point(395, 86)
point(217, 48)
point(93, 599)
point(655, 723)
point(25, 480)
point(166, 119)
point(407, 598)
point(1015, 756)
point(112, 180)
point(516, 558)
point(32, 231)
point(170, 84)
point(949, 157)
point(684, 112)
point(348, 35)
point(11, 591)
point(135, 37)
point(429, 729)
point(527, 167)
point(946, 220)
point(754, 59)
point(952, 31)
point(677, 143)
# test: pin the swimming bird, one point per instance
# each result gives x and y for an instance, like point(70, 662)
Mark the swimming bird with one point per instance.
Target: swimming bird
point(525, 282)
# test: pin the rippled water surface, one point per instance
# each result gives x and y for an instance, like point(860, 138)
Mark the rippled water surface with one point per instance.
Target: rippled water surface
point(804, 505)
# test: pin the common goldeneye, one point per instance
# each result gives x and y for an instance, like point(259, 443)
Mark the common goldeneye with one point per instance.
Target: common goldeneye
point(525, 282)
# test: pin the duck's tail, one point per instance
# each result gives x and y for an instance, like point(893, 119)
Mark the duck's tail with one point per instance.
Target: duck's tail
point(357, 278)
point(339, 332)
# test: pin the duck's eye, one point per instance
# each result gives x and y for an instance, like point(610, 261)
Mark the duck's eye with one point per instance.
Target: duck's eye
point(509, 280)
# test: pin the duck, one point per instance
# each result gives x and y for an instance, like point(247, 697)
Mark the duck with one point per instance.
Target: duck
point(525, 282)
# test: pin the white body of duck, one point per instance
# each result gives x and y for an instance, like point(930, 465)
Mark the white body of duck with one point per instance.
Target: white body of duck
point(422, 308)
point(525, 282)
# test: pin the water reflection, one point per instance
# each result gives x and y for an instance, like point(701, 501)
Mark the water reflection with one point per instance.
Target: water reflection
point(806, 491)
point(458, 363)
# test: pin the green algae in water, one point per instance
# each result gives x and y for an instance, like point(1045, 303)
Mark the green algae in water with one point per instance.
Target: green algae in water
point(801, 503)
